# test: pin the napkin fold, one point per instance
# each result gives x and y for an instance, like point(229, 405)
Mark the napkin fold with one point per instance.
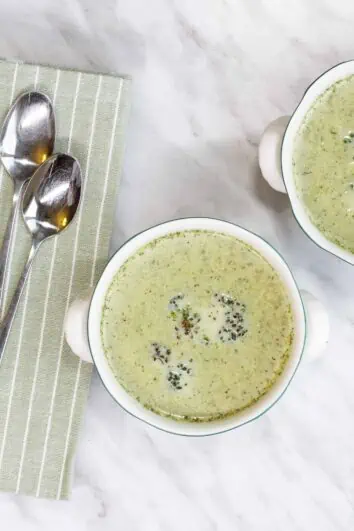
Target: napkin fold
point(43, 386)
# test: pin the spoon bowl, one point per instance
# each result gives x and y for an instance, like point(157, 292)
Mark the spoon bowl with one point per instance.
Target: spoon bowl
point(52, 196)
point(27, 135)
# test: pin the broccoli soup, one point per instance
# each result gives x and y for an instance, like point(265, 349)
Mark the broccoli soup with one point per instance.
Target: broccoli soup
point(323, 163)
point(197, 326)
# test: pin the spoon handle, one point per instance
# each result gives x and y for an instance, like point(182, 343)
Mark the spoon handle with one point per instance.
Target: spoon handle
point(6, 324)
point(7, 242)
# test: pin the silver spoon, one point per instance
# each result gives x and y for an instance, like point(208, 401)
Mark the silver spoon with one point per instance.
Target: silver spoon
point(50, 202)
point(26, 140)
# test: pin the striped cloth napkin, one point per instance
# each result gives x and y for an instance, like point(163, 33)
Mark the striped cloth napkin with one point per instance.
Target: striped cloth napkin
point(43, 386)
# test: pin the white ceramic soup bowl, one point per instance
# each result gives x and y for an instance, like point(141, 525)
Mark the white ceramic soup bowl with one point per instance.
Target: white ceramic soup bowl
point(83, 324)
point(276, 153)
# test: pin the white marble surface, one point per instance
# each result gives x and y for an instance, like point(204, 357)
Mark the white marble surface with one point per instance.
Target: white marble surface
point(208, 76)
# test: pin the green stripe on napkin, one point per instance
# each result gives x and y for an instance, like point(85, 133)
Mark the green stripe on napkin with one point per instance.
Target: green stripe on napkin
point(43, 387)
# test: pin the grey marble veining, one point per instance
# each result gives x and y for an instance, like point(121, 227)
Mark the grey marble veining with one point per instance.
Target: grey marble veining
point(208, 77)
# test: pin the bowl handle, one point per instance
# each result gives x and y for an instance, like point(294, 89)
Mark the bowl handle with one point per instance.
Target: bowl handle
point(75, 326)
point(269, 153)
point(317, 326)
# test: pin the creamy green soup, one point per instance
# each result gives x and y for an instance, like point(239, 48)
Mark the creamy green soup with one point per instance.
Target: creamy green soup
point(323, 163)
point(197, 326)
